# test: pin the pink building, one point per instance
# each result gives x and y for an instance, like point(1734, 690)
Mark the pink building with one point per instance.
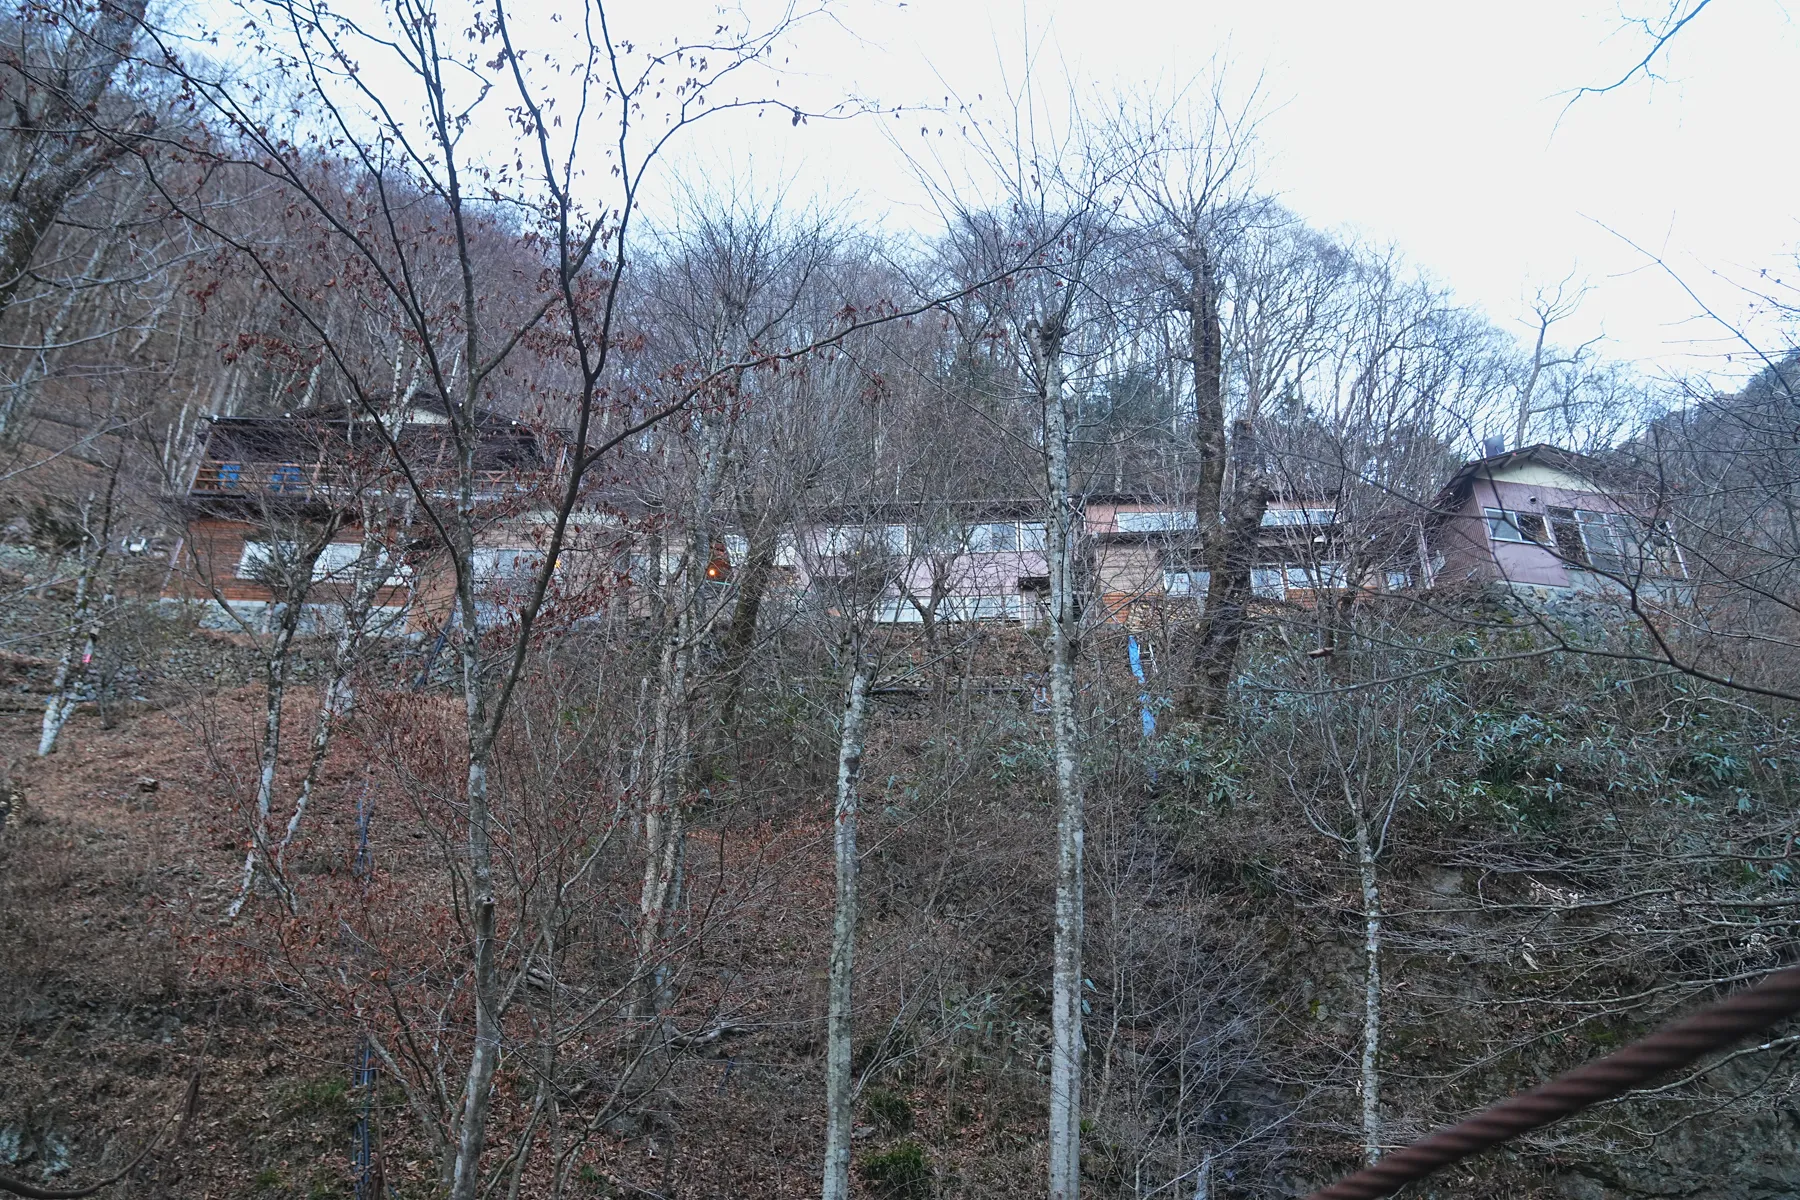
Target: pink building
point(1541, 520)
point(983, 561)
point(1147, 552)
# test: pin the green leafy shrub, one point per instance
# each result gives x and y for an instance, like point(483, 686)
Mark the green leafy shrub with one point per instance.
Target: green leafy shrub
point(317, 1099)
point(888, 1109)
point(900, 1173)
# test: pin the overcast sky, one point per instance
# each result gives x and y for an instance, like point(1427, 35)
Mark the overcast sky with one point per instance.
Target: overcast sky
point(1431, 124)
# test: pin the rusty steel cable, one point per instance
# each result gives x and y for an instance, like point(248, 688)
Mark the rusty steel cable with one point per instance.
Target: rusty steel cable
point(1686, 1041)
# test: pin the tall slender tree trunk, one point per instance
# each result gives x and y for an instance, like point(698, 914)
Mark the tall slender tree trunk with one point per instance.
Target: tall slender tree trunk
point(61, 705)
point(484, 1058)
point(372, 574)
point(1371, 1048)
point(64, 148)
point(290, 606)
point(1231, 559)
point(1065, 983)
point(665, 810)
point(1226, 589)
point(662, 817)
point(740, 634)
point(20, 395)
point(275, 670)
point(1230, 493)
point(83, 634)
point(838, 1024)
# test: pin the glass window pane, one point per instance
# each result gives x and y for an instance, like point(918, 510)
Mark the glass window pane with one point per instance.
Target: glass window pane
point(1500, 526)
point(1153, 522)
point(1606, 550)
point(337, 560)
point(1566, 533)
point(1178, 582)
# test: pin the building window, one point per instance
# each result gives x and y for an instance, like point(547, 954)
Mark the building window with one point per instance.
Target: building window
point(1316, 575)
point(1605, 535)
point(505, 565)
point(1318, 518)
point(1566, 531)
point(337, 559)
point(260, 560)
point(1186, 581)
point(1506, 526)
point(338, 562)
point(1614, 543)
point(1269, 582)
point(841, 541)
point(998, 537)
point(288, 477)
point(1664, 554)
point(1154, 522)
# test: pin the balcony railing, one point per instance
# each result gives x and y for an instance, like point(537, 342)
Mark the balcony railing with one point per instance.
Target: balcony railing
point(229, 478)
point(226, 477)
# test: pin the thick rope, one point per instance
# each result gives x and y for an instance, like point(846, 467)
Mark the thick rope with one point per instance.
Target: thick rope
point(1687, 1041)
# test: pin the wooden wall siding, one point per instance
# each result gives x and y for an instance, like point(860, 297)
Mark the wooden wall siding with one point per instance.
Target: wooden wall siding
point(236, 477)
point(210, 561)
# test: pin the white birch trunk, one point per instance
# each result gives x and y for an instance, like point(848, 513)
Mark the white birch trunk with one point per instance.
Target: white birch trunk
point(1065, 1036)
point(21, 394)
point(1371, 1049)
point(484, 1057)
point(1203, 1180)
point(61, 705)
point(662, 823)
point(838, 1025)
point(373, 571)
point(665, 813)
point(286, 623)
point(84, 626)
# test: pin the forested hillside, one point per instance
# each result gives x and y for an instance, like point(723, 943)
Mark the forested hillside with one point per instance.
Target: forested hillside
point(533, 671)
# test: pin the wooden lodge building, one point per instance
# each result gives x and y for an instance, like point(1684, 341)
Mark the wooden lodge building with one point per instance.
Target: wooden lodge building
point(269, 489)
point(1537, 521)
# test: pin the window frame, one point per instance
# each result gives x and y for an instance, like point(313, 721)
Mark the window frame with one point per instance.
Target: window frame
point(1497, 519)
point(1305, 517)
point(261, 551)
point(1172, 520)
point(1193, 581)
point(1259, 582)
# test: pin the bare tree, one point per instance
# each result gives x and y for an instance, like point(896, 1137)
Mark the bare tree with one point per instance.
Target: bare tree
point(69, 121)
point(1352, 761)
point(82, 635)
point(407, 205)
point(853, 587)
point(839, 1027)
point(1192, 187)
point(1063, 194)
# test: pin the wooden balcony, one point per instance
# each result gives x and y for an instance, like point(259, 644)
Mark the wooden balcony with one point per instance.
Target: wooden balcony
point(224, 477)
point(295, 480)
